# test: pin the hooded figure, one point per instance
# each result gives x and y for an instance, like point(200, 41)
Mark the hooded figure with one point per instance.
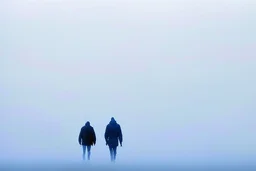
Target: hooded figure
point(87, 138)
point(113, 134)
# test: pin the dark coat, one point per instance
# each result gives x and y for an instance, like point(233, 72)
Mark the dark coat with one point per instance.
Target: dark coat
point(113, 133)
point(87, 135)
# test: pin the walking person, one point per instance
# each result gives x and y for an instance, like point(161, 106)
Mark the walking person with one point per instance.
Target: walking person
point(87, 138)
point(113, 134)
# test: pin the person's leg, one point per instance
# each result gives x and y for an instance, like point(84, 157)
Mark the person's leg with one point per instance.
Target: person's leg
point(114, 153)
point(111, 153)
point(89, 151)
point(84, 149)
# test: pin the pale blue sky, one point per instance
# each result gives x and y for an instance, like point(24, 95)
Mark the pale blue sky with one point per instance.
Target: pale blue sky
point(178, 75)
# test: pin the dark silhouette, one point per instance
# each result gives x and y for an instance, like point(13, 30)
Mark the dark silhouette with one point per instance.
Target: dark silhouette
point(113, 133)
point(87, 138)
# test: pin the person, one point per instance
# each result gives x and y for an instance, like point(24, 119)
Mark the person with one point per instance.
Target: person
point(87, 138)
point(113, 133)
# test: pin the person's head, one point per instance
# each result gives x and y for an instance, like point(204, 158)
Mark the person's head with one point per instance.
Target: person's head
point(113, 119)
point(87, 123)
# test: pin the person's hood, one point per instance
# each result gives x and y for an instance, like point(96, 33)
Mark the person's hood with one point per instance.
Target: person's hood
point(87, 123)
point(113, 121)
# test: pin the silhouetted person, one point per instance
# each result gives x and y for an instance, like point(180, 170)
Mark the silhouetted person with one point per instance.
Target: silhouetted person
point(87, 138)
point(113, 133)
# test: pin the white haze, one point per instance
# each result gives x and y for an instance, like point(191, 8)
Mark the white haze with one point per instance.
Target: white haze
point(178, 75)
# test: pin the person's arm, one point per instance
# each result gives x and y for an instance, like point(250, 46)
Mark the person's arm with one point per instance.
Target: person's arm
point(120, 136)
point(106, 135)
point(94, 136)
point(80, 137)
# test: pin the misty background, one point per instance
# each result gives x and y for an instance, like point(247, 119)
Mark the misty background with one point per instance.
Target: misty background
point(178, 76)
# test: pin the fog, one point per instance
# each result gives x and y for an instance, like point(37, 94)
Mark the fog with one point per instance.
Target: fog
point(177, 75)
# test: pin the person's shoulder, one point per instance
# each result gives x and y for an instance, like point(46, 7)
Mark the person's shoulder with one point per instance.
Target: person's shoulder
point(118, 125)
point(108, 126)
